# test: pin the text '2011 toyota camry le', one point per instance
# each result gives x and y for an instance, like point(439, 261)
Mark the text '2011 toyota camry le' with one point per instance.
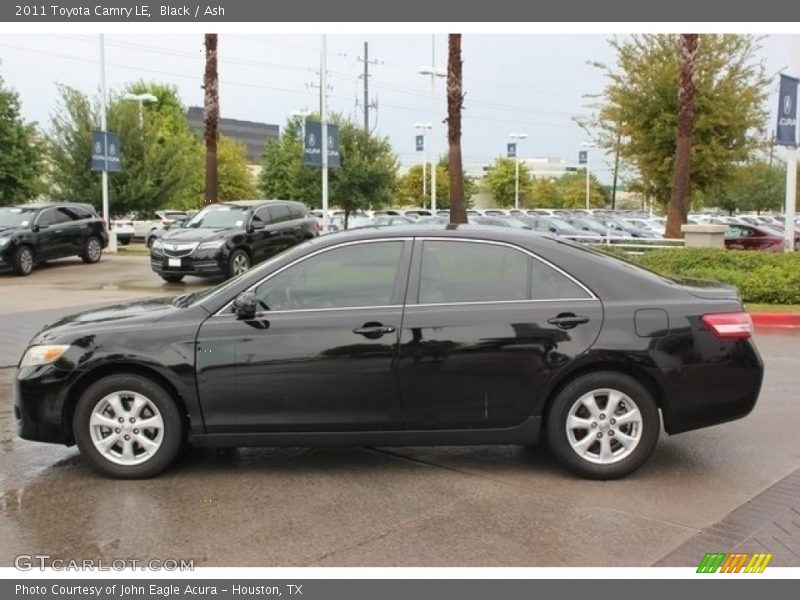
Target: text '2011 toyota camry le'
point(403, 336)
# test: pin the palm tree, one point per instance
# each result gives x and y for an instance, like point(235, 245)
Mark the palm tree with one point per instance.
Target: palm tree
point(211, 118)
point(455, 102)
point(678, 203)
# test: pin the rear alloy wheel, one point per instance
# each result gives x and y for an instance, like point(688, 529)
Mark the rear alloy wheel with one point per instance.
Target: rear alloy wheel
point(603, 425)
point(127, 426)
point(238, 263)
point(23, 261)
point(92, 250)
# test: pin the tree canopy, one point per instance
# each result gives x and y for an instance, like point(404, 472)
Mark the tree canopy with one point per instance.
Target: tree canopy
point(21, 154)
point(639, 107)
point(366, 178)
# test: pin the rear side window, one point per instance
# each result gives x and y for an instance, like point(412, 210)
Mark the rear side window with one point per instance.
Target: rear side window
point(77, 213)
point(472, 272)
point(295, 212)
point(549, 284)
point(278, 213)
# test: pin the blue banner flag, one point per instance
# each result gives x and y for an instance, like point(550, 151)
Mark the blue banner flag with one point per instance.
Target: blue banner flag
point(312, 147)
point(106, 150)
point(511, 150)
point(786, 132)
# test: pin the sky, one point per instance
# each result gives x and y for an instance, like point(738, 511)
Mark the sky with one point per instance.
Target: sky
point(535, 83)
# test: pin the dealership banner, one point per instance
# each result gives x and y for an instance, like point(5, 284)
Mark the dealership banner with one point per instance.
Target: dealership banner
point(786, 132)
point(312, 147)
point(441, 11)
point(106, 149)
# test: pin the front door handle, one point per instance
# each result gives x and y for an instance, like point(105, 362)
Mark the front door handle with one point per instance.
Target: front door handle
point(374, 331)
point(567, 320)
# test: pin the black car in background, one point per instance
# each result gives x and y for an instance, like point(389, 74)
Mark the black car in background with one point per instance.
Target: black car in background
point(35, 232)
point(228, 238)
point(419, 335)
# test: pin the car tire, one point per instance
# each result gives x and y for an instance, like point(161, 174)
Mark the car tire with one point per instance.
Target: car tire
point(23, 261)
point(124, 241)
point(238, 263)
point(121, 449)
point(610, 445)
point(92, 250)
point(172, 278)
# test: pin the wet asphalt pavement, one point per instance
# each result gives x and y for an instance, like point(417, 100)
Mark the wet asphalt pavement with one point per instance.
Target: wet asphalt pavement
point(446, 506)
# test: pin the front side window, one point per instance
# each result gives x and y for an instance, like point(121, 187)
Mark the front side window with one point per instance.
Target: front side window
point(278, 213)
point(472, 272)
point(359, 275)
point(53, 216)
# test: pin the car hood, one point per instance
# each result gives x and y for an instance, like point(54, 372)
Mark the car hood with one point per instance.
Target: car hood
point(115, 317)
point(199, 234)
point(9, 231)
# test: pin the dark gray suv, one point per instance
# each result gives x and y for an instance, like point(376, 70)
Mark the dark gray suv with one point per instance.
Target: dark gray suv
point(228, 238)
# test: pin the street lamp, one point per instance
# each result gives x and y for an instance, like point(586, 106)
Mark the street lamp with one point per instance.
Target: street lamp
point(587, 145)
point(141, 99)
point(517, 137)
point(432, 72)
point(422, 127)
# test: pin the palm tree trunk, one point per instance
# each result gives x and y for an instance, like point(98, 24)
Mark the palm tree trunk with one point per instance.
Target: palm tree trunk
point(679, 199)
point(455, 101)
point(211, 118)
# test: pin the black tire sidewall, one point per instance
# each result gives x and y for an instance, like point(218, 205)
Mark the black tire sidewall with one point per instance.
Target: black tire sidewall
point(18, 260)
point(85, 254)
point(173, 427)
point(556, 419)
point(231, 258)
point(172, 278)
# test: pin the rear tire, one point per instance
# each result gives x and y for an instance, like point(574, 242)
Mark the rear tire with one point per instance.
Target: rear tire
point(124, 241)
point(172, 278)
point(92, 250)
point(145, 441)
point(603, 425)
point(23, 261)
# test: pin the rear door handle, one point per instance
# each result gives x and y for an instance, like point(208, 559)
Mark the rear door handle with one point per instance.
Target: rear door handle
point(567, 320)
point(373, 331)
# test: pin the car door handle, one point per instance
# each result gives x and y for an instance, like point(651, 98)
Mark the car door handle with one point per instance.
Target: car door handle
point(567, 320)
point(374, 331)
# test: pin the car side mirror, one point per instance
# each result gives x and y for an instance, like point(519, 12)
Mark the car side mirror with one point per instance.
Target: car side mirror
point(36, 228)
point(553, 230)
point(245, 305)
point(257, 224)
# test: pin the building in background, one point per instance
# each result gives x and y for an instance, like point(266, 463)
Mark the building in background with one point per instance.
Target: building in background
point(254, 135)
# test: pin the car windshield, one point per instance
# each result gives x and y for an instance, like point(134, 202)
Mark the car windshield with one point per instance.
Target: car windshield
point(219, 216)
point(15, 216)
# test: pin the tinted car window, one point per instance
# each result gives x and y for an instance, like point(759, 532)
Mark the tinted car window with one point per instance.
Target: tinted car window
point(549, 284)
point(472, 272)
point(77, 213)
point(350, 276)
point(279, 212)
point(53, 216)
point(295, 212)
point(262, 214)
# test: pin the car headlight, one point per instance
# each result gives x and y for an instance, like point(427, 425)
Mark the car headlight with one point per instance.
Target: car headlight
point(213, 245)
point(36, 356)
point(157, 244)
point(4, 241)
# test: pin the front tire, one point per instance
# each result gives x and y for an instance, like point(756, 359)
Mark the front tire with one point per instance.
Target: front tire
point(238, 263)
point(92, 250)
point(23, 261)
point(603, 425)
point(127, 427)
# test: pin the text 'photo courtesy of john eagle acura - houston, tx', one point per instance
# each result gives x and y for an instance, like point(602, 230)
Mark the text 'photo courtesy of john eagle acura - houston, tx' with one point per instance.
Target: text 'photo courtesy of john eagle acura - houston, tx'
point(418, 335)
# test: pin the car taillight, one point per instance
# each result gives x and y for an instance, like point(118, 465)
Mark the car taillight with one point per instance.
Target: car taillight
point(730, 326)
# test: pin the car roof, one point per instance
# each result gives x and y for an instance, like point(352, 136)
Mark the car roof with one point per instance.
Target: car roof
point(254, 203)
point(41, 205)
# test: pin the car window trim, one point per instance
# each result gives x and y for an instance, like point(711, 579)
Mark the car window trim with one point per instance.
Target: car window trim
point(592, 295)
point(225, 312)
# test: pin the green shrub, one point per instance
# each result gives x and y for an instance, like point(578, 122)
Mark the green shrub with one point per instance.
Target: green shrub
point(762, 277)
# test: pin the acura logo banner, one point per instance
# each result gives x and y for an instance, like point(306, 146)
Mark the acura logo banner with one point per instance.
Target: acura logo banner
point(786, 132)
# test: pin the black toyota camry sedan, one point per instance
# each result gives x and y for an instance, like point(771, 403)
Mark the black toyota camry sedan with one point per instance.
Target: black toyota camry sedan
point(401, 336)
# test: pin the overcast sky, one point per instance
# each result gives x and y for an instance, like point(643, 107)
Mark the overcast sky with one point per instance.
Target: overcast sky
point(514, 83)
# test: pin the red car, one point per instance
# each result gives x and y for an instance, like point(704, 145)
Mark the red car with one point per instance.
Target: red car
point(757, 237)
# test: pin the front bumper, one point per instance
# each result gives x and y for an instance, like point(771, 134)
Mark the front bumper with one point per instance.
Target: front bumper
point(40, 395)
point(199, 263)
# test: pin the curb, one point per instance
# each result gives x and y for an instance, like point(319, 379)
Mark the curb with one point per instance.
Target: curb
point(777, 319)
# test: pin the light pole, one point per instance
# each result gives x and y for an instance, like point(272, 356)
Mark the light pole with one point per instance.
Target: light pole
point(517, 137)
point(587, 145)
point(323, 93)
point(141, 99)
point(432, 72)
point(422, 127)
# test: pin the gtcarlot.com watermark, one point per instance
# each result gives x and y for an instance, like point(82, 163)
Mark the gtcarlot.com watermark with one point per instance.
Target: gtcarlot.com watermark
point(30, 562)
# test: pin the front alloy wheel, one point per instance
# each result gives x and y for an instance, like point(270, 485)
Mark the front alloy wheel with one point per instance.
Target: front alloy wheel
point(127, 426)
point(239, 263)
point(603, 425)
